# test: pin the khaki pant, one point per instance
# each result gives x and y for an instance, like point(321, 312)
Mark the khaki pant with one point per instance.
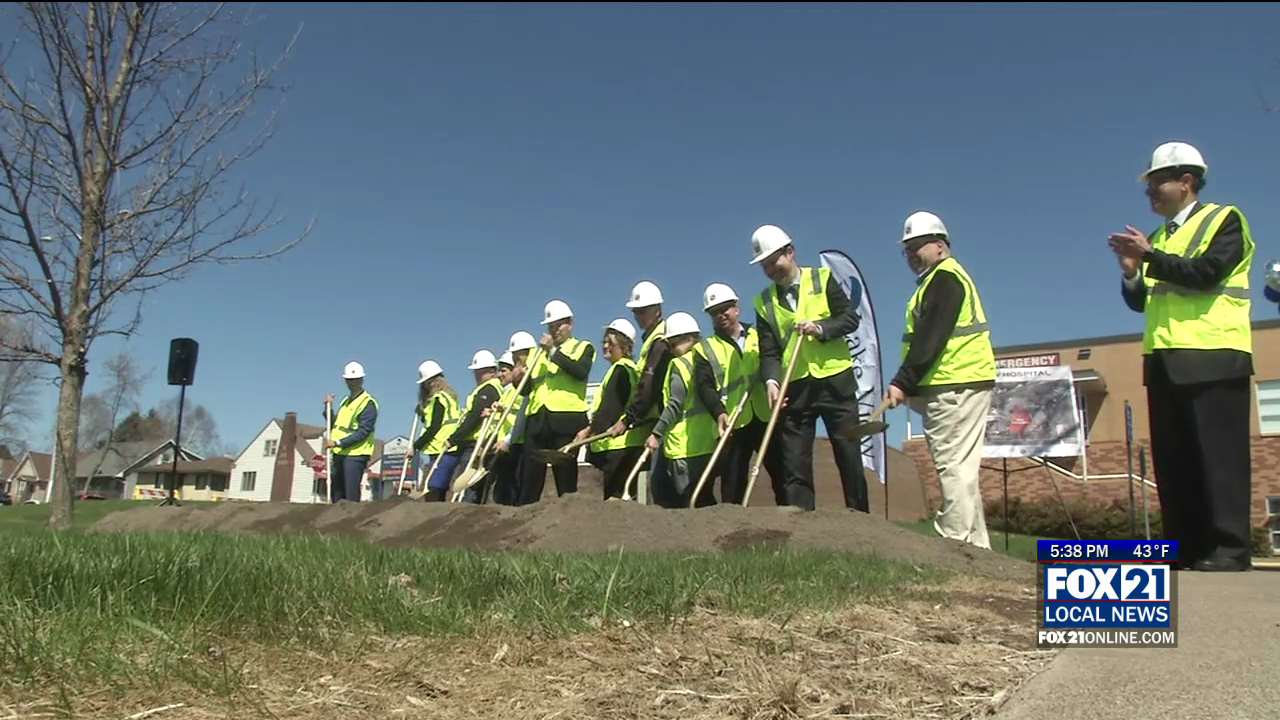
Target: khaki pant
point(955, 423)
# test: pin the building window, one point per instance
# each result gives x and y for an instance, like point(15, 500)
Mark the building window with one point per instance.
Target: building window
point(270, 448)
point(202, 481)
point(1275, 540)
point(247, 481)
point(1273, 505)
point(1269, 407)
point(217, 482)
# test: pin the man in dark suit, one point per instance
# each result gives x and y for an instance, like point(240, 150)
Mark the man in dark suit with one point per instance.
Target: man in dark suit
point(805, 312)
point(1190, 278)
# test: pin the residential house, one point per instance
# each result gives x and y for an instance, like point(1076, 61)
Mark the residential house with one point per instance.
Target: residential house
point(199, 480)
point(29, 477)
point(115, 468)
point(284, 463)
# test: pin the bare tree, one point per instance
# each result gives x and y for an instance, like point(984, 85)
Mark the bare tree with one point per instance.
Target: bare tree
point(117, 147)
point(124, 387)
point(199, 430)
point(19, 384)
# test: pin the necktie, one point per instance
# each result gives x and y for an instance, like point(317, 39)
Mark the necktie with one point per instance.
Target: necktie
point(1170, 227)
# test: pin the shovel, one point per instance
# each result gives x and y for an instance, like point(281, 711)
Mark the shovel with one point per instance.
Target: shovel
point(566, 453)
point(697, 490)
point(404, 469)
point(872, 426)
point(474, 472)
point(473, 475)
point(631, 477)
point(773, 422)
point(418, 493)
point(328, 454)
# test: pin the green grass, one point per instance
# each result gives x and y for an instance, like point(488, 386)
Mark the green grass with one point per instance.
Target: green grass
point(1022, 547)
point(85, 514)
point(80, 607)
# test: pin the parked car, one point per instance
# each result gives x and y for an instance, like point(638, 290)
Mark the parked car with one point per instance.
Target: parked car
point(5, 499)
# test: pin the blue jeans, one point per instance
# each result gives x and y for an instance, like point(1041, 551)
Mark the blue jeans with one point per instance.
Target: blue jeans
point(348, 471)
point(443, 474)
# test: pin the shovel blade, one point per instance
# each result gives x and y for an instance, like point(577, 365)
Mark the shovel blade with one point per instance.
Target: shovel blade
point(863, 429)
point(553, 456)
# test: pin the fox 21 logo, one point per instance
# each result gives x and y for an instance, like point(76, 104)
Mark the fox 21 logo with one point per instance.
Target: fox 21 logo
point(1107, 595)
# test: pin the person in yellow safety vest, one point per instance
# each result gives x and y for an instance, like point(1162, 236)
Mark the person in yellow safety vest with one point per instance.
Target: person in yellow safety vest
point(948, 371)
point(805, 308)
point(509, 449)
point(465, 438)
point(735, 346)
point(615, 456)
point(692, 416)
point(438, 408)
point(645, 303)
point(1190, 278)
point(557, 409)
point(351, 437)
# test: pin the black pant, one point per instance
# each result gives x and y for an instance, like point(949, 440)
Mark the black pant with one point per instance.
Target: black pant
point(548, 433)
point(683, 476)
point(506, 480)
point(834, 399)
point(615, 466)
point(736, 467)
point(348, 471)
point(1200, 448)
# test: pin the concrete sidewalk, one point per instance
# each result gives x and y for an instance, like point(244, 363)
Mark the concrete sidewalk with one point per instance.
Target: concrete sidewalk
point(1226, 665)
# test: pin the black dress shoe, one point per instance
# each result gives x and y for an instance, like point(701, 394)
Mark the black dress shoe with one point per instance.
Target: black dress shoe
point(1208, 565)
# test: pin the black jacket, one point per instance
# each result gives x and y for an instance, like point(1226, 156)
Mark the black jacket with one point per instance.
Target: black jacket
point(1180, 366)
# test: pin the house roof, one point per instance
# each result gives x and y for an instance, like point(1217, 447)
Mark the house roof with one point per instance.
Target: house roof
point(217, 465)
point(41, 461)
point(136, 457)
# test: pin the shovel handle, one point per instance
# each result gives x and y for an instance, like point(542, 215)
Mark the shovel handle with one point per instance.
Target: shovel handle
point(706, 473)
point(773, 421)
point(584, 441)
point(404, 469)
point(635, 470)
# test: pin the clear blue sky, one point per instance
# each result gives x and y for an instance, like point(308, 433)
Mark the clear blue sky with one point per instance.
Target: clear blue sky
point(466, 164)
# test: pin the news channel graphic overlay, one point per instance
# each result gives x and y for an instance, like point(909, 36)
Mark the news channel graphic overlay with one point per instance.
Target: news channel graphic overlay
point(1107, 593)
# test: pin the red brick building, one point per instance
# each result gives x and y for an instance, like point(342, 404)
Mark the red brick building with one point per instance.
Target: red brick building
point(1107, 371)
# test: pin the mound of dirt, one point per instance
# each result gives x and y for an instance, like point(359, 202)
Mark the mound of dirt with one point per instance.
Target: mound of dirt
point(576, 524)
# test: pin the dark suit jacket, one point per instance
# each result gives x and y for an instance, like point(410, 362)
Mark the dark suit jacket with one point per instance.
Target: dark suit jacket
point(1184, 367)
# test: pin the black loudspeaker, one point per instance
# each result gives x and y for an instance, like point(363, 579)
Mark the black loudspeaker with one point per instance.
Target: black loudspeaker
point(182, 361)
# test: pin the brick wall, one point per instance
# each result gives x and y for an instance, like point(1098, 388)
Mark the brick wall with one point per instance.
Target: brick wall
point(1034, 484)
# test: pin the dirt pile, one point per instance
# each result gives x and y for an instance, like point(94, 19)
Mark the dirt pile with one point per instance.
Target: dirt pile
point(576, 524)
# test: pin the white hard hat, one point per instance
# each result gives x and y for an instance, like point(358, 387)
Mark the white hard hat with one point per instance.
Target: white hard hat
point(623, 326)
point(507, 359)
point(352, 371)
point(521, 341)
point(428, 370)
point(1175, 154)
point(716, 294)
point(644, 294)
point(681, 323)
point(556, 310)
point(767, 240)
point(921, 224)
point(481, 360)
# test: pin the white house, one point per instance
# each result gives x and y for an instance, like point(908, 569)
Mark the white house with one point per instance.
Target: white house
point(285, 463)
point(277, 465)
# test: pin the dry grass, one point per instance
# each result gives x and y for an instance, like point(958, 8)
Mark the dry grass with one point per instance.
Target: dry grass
point(959, 657)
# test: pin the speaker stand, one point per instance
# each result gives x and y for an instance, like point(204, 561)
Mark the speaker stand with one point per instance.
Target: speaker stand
point(177, 449)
